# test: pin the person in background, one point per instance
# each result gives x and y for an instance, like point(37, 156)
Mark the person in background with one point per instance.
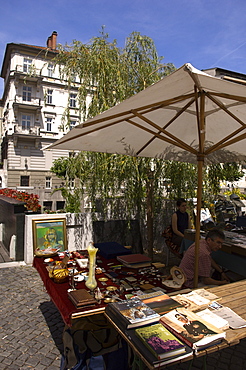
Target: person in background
point(212, 243)
point(180, 222)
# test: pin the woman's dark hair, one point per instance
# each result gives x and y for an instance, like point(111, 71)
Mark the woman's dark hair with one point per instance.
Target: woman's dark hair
point(180, 201)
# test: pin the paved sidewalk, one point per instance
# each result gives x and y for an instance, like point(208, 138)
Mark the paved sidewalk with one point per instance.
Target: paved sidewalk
point(31, 328)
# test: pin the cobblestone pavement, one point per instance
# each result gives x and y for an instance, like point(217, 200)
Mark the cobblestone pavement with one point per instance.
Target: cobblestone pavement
point(31, 328)
point(30, 325)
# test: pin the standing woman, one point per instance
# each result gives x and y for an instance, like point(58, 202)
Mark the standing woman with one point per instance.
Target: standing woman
point(180, 222)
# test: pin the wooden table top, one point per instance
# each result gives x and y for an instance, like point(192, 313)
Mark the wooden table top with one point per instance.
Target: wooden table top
point(233, 296)
point(230, 295)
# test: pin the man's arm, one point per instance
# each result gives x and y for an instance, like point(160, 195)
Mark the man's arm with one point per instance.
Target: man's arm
point(219, 269)
point(210, 281)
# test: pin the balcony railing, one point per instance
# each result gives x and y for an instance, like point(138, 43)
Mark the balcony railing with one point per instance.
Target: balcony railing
point(26, 131)
point(34, 100)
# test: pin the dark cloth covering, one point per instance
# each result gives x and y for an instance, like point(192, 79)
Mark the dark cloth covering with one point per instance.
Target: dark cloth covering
point(182, 221)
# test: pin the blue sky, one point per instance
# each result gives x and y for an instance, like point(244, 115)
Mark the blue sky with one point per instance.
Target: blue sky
point(205, 33)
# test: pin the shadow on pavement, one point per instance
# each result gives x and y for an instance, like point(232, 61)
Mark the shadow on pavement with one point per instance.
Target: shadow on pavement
point(54, 321)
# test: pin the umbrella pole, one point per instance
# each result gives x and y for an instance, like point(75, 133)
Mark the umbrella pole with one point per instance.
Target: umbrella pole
point(150, 212)
point(198, 213)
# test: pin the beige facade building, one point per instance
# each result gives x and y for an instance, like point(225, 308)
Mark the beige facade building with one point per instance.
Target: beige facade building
point(33, 104)
point(31, 117)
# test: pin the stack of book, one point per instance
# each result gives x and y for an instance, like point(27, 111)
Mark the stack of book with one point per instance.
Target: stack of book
point(135, 260)
point(141, 324)
point(131, 313)
point(160, 341)
point(81, 298)
point(163, 330)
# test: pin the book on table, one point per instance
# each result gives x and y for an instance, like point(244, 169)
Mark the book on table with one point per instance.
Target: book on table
point(135, 260)
point(212, 318)
point(192, 301)
point(81, 298)
point(131, 313)
point(235, 321)
point(162, 303)
point(149, 356)
point(160, 341)
point(192, 329)
point(139, 345)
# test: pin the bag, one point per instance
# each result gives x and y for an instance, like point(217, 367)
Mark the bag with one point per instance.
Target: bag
point(168, 235)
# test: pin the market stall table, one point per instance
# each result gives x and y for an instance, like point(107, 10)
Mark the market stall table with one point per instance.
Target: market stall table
point(230, 295)
point(59, 292)
point(81, 320)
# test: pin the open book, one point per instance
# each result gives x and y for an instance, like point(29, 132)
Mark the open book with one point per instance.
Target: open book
point(192, 329)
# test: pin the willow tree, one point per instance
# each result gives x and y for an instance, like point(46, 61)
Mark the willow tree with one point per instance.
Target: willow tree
point(107, 75)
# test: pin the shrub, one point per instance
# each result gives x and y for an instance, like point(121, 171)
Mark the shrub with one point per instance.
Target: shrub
point(31, 200)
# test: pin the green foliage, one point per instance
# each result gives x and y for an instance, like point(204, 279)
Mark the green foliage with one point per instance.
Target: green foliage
point(241, 195)
point(181, 179)
point(107, 73)
point(123, 182)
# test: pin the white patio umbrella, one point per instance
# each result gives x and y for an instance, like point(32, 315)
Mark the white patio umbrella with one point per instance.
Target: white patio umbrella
point(187, 116)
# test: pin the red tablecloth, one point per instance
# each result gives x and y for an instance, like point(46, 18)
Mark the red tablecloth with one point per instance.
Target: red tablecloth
point(58, 291)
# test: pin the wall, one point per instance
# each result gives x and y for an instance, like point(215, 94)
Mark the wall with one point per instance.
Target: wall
point(12, 223)
point(79, 231)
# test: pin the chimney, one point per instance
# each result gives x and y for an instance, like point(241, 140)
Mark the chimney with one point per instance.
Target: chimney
point(51, 41)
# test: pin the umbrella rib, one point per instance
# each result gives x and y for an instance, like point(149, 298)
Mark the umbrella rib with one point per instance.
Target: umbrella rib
point(179, 113)
point(225, 141)
point(172, 140)
point(197, 113)
point(229, 96)
point(149, 107)
point(225, 109)
point(162, 130)
point(224, 144)
point(88, 132)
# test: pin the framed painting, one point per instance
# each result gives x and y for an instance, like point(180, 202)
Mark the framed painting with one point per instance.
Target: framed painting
point(49, 234)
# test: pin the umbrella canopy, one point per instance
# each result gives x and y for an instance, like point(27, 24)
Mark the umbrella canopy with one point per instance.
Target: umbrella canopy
point(187, 116)
point(184, 115)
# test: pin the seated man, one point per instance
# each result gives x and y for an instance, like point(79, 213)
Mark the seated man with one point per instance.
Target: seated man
point(212, 243)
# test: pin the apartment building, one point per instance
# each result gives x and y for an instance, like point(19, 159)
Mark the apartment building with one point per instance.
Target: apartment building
point(31, 112)
point(33, 104)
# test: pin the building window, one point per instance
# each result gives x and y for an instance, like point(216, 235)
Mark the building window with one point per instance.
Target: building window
point(24, 181)
point(48, 124)
point(27, 65)
point(72, 102)
point(71, 183)
point(72, 124)
point(26, 122)
point(49, 96)
point(47, 205)
point(50, 69)
point(48, 182)
point(60, 204)
point(26, 93)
